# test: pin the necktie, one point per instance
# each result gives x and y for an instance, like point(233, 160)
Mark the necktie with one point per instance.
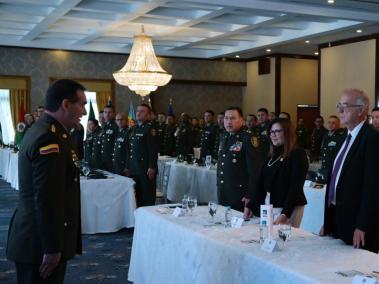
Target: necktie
point(338, 164)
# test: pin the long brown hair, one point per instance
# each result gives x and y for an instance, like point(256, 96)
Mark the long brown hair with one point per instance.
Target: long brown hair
point(289, 136)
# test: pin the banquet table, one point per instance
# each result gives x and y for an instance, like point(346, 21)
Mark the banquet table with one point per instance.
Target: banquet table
point(164, 165)
point(4, 162)
point(12, 173)
point(107, 205)
point(191, 180)
point(168, 249)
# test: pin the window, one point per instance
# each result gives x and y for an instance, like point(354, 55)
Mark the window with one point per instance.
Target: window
point(91, 97)
point(6, 117)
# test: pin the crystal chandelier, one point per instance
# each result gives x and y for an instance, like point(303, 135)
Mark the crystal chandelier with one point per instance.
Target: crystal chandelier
point(142, 72)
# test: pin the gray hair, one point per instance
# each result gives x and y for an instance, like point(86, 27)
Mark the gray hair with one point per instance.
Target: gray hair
point(361, 97)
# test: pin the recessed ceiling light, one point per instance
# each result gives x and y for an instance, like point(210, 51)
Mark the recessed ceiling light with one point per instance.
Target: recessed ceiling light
point(359, 31)
point(316, 53)
point(237, 56)
point(307, 41)
point(330, 1)
point(268, 50)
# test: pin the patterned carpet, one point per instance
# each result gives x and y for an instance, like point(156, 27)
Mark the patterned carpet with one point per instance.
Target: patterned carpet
point(105, 257)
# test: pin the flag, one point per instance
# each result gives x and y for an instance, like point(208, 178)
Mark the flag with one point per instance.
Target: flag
point(131, 112)
point(170, 109)
point(91, 113)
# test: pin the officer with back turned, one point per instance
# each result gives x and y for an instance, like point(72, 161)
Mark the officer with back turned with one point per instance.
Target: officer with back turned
point(142, 162)
point(108, 137)
point(121, 145)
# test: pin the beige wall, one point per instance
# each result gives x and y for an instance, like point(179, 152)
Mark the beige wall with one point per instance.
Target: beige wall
point(299, 84)
point(346, 66)
point(260, 90)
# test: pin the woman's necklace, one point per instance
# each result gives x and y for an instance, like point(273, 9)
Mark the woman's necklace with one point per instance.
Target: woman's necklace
point(277, 159)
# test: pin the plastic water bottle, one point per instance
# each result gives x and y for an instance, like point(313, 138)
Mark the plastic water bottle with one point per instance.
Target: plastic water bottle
point(228, 216)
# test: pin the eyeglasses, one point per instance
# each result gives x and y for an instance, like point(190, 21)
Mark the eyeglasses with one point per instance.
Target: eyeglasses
point(342, 106)
point(276, 131)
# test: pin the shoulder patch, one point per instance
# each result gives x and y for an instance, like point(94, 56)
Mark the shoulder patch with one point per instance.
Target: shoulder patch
point(254, 141)
point(51, 148)
point(153, 131)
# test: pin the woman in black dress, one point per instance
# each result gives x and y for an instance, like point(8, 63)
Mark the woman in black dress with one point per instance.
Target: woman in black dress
point(283, 175)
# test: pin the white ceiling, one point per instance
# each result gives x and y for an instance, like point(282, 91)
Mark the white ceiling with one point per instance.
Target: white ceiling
point(196, 28)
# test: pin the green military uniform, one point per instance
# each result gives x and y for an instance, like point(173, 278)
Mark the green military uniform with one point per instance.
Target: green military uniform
point(143, 154)
point(184, 139)
point(237, 167)
point(161, 127)
point(316, 141)
point(261, 131)
point(302, 136)
point(331, 143)
point(196, 138)
point(208, 141)
point(121, 151)
point(169, 140)
point(95, 160)
point(220, 134)
point(108, 136)
point(88, 144)
point(47, 219)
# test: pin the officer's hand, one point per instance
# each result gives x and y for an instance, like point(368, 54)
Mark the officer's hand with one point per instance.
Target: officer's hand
point(49, 262)
point(358, 238)
point(282, 219)
point(247, 213)
point(151, 173)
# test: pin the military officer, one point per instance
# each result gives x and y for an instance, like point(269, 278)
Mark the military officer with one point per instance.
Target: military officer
point(208, 140)
point(45, 230)
point(261, 131)
point(108, 137)
point(238, 161)
point(92, 127)
point(301, 134)
point(169, 136)
point(142, 162)
point(375, 117)
point(183, 136)
point(316, 139)
point(331, 143)
point(196, 132)
point(95, 160)
point(251, 122)
point(161, 126)
point(121, 145)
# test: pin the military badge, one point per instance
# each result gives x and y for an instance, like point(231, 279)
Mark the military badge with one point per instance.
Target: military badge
point(254, 142)
point(332, 144)
point(236, 147)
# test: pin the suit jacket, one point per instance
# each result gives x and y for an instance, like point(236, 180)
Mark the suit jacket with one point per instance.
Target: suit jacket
point(47, 218)
point(285, 185)
point(357, 192)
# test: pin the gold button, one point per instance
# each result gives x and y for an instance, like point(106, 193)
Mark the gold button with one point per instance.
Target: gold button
point(222, 181)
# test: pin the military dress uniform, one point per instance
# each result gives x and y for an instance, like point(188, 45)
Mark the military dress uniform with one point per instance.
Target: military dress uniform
point(184, 139)
point(237, 168)
point(108, 137)
point(143, 154)
point(316, 141)
point(161, 127)
point(95, 160)
point(331, 143)
point(196, 136)
point(169, 140)
point(77, 137)
point(261, 131)
point(47, 219)
point(208, 141)
point(121, 151)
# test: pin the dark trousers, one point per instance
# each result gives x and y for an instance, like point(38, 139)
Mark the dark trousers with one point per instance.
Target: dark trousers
point(145, 190)
point(28, 273)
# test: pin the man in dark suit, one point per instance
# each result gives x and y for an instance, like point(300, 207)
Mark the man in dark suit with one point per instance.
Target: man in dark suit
point(45, 230)
point(352, 196)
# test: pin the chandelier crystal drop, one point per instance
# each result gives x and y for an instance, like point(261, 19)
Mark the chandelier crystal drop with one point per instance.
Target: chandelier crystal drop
point(142, 72)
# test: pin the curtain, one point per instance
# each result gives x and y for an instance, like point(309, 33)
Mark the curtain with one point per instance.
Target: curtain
point(6, 117)
point(17, 97)
point(102, 99)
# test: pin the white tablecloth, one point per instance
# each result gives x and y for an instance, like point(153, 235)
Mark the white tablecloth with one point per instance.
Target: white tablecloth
point(107, 204)
point(313, 217)
point(181, 250)
point(12, 174)
point(191, 180)
point(164, 166)
point(4, 162)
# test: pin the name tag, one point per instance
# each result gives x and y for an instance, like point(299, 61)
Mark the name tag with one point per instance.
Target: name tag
point(236, 222)
point(269, 246)
point(139, 134)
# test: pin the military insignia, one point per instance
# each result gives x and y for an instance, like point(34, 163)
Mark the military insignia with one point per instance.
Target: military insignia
point(153, 132)
point(64, 135)
point(236, 147)
point(234, 161)
point(264, 132)
point(75, 159)
point(254, 142)
point(52, 128)
point(51, 148)
point(332, 144)
point(109, 131)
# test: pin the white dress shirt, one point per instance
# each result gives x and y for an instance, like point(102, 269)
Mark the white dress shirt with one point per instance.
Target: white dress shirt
point(354, 134)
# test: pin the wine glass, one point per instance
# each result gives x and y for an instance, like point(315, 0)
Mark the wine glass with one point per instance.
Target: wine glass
point(212, 206)
point(85, 168)
point(284, 232)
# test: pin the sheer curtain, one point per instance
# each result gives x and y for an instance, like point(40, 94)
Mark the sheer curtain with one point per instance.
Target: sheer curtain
point(6, 117)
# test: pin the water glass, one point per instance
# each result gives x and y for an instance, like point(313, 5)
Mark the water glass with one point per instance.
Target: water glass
point(212, 206)
point(284, 232)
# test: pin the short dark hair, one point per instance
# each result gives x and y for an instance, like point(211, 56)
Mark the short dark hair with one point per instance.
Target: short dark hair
point(320, 117)
point(375, 109)
point(263, 109)
point(145, 105)
point(60, 90)
point(222, 113)
point(94, 120)
point(100, 112)
point(209, 111)
point(336, 117)
point(253, 115)
point(40, 107)
point(162, 113)
point(109, 106)
point(238, 109)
